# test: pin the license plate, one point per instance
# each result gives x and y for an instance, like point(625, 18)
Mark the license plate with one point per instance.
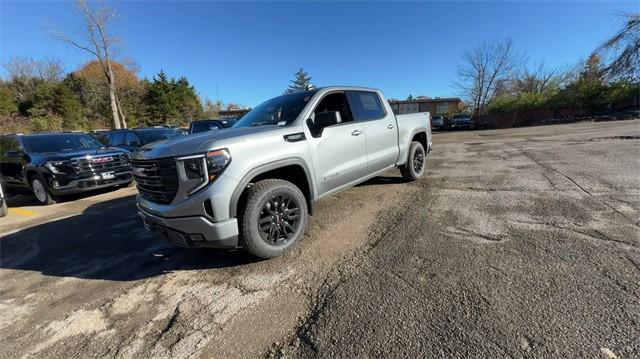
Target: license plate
point(108, 175)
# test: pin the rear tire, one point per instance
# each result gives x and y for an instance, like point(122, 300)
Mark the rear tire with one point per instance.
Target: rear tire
point(40, 191)
point(274, 218)
point(416, 162)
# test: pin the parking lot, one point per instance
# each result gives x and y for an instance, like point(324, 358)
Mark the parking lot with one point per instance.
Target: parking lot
point(517, 243)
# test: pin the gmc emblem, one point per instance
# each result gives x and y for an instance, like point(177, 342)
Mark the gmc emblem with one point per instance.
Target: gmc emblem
point(102, 159)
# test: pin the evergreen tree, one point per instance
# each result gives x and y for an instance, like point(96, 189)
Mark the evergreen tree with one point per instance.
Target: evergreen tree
point(302, 82)
point(171, 101)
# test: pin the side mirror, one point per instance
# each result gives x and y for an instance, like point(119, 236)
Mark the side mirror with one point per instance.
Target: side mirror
point(134, 144)
point(325, 119)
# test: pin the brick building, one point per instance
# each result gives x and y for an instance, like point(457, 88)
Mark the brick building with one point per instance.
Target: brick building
point(436, 106)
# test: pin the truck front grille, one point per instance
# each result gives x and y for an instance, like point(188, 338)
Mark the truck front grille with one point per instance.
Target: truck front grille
point(100, 164)
point(157, 180)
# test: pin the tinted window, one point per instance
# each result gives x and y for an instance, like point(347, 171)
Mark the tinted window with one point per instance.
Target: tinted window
point(335, 102)
point(279, 110)
point(9, 144)
point(132, 139)
point(159, 134)
point(117, 138)
point(366, 105)
point(63, 142)
point(204, 126)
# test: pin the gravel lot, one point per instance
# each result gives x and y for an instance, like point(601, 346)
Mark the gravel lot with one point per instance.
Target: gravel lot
point(518, 243)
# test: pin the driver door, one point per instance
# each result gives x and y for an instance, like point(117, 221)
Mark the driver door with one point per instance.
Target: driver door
point(339, 151)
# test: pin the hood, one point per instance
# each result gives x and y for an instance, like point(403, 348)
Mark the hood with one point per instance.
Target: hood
point(63, 156)
point(200, 142)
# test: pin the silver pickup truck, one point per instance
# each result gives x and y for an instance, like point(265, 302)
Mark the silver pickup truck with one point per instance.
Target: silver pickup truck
point(254, 186)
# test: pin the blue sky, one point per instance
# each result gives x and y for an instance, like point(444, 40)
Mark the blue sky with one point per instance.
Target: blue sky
point(250, 50)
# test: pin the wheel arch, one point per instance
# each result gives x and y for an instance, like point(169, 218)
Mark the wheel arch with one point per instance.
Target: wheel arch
point(421, 136)
point(293, 170)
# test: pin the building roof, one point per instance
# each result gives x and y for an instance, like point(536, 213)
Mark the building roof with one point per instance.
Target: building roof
point(425, 100)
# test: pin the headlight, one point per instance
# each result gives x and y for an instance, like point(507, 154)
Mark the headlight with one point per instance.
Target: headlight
point(58, 167)
point(199, 170)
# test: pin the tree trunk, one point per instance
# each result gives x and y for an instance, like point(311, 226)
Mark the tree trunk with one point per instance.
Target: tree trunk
point(122, 118)
point(113, 100)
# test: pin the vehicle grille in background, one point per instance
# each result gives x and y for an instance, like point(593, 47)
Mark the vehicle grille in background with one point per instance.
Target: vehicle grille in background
point(91, 164)
point(157, 180)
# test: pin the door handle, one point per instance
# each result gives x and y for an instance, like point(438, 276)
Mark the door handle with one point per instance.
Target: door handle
point(390, 126)
point(356, 133)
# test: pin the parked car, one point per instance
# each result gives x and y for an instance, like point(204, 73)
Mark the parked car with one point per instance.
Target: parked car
point(3, 203)
point(212, 125)
point(57, 164)
point(461, 121)
point(132, 139)
point(437, 122)
point(255, 185)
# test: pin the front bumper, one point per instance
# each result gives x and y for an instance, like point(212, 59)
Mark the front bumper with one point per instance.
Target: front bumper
point(64, 185)
point(194, 231)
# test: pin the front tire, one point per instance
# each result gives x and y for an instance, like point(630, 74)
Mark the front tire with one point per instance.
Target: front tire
point(274, 218)
point(416, 163)
point(40, 191)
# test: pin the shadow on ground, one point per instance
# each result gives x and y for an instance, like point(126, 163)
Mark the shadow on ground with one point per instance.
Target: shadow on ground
point(27, 199)
point(106, 241)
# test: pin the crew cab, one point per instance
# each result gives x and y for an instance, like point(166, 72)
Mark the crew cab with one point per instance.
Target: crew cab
point(255, 185)
point(57, 164)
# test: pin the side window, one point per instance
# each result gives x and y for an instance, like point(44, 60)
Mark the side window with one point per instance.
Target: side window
point(9, 144)
point(367, 105)
point(336, 102)
point(132, 139)
point(117, 139)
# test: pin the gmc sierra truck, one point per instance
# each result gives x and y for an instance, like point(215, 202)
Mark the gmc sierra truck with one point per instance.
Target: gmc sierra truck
point(254, 185)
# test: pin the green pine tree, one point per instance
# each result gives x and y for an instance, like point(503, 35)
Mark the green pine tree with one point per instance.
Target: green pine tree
point(302, 82)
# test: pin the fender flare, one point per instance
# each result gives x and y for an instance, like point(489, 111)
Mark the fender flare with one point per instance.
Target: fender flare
point(237, 192)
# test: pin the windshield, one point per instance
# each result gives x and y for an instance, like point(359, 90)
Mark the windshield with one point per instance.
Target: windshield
point(460, 116)
point(280, 110)
point(158, 134)
point(64, 142)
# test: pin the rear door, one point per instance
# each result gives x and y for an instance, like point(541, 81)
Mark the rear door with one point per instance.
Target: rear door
point(380, 129)
point(12, 161)
point(339, 151)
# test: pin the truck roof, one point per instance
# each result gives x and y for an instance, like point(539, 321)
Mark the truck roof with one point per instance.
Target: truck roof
point(351, 88)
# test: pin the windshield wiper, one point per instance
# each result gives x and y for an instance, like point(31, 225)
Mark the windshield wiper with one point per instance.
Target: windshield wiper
point(262, 124)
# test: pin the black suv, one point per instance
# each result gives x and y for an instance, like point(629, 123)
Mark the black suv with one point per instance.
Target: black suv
point(212, 125)
point(56, 164)
point(132, 139)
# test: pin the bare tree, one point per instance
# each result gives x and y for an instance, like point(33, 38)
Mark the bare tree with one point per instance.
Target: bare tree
point(98, 43)
point(539, 79)
point(485, 71)
point(25, 74)
point(624, 50)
